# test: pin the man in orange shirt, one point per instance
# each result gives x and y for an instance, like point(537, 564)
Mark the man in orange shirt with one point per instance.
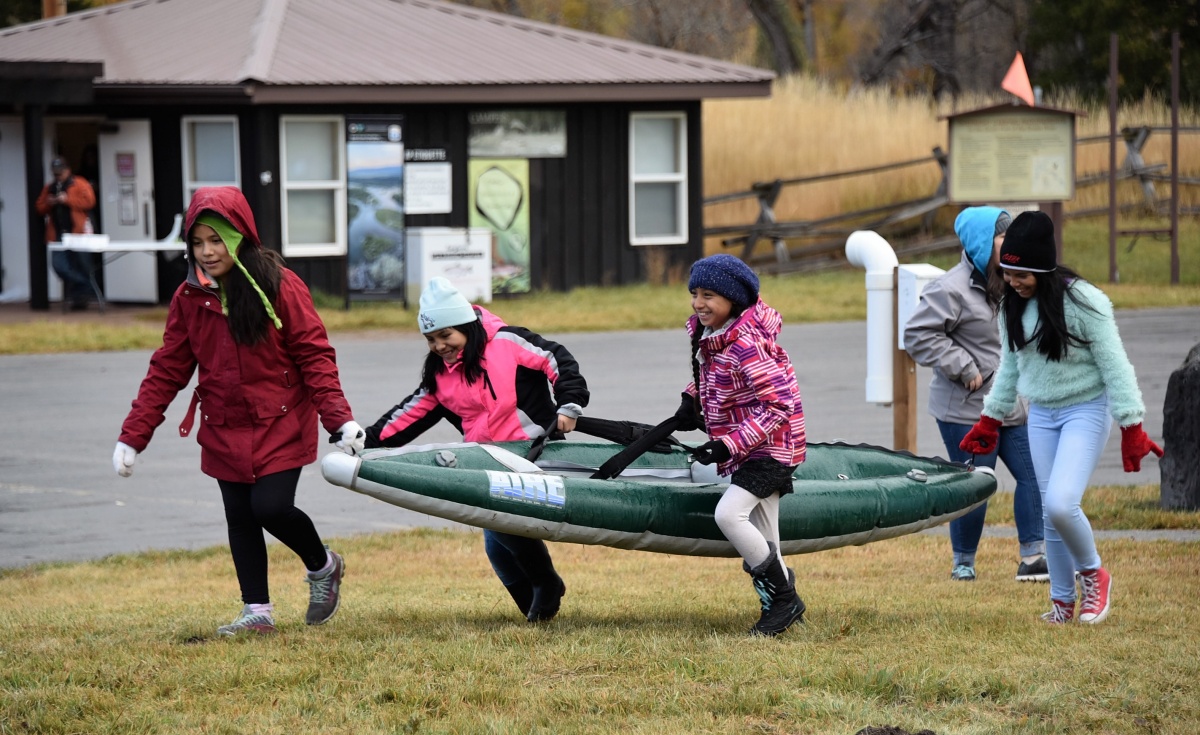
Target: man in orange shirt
point(66, 202)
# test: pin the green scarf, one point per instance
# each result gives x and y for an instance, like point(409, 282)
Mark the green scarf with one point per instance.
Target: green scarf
point(233, 239)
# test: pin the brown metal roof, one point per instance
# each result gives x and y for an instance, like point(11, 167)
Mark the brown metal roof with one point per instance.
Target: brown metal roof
point(364, 51)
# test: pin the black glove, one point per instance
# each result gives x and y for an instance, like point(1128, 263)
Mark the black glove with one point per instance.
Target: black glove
point(713, 451)
point(689, 419)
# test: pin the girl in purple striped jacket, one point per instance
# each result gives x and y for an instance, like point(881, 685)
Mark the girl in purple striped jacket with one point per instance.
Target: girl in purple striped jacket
point(745, 396)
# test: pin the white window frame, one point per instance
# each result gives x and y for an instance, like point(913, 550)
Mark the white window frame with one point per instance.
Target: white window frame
point(189, 184)
point(679, 178)
point(337, 186)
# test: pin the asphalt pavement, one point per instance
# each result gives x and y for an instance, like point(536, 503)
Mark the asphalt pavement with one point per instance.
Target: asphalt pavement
point(61, 501)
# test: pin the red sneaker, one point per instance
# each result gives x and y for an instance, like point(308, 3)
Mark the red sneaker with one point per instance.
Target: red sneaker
point(1062, 612)
point(1096, 585)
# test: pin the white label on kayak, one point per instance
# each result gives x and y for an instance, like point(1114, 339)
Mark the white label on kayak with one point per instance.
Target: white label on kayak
point(527, 488)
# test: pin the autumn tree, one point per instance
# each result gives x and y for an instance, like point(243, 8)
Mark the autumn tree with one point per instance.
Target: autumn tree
point(781, 33)
point(716, 28)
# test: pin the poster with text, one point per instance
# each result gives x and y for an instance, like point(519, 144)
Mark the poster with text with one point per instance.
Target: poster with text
point(375, 208)
point(498, 198)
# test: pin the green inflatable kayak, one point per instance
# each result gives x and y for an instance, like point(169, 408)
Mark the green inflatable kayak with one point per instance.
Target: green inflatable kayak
point(663, 502)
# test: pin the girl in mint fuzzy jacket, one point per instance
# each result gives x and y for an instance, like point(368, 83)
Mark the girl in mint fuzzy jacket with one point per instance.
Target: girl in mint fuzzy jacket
point(1062, 351)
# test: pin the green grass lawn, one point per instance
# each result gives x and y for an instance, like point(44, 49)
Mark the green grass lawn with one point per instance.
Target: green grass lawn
point(428, 641)
point(1114, 507)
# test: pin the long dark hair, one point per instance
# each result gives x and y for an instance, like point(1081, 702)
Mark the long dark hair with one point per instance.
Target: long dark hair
point(1051, 334)
point(472, 357)
point(248, 319)
point(697, 335)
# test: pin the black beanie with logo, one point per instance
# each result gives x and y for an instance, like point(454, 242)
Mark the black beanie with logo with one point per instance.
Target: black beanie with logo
point(1029, 244)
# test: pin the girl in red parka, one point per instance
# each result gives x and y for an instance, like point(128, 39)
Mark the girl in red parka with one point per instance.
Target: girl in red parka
point(266, 370)
point(745, 396)
point(494, 383)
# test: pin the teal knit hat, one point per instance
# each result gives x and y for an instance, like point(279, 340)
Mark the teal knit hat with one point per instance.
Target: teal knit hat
point(233, 239)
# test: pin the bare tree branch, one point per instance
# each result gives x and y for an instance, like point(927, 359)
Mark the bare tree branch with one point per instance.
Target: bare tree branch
point(778, 28)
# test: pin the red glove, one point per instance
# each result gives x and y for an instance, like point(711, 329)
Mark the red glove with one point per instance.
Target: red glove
point(1135, 444)
point(983, 438)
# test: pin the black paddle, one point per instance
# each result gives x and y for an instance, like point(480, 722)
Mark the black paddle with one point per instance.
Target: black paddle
point(622, 459)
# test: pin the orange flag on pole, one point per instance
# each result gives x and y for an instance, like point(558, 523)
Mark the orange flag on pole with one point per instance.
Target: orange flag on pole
point(1016, 81)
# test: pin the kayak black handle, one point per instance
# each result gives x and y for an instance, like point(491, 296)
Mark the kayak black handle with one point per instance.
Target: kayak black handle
point(622, 459)
point(539, 444)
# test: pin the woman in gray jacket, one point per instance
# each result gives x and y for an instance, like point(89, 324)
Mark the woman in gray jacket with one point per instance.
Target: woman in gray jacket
point(954, 330)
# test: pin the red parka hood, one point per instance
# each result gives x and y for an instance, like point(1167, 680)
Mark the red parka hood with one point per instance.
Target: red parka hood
point(226, 201)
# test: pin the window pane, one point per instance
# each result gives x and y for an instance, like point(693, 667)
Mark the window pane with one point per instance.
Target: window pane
point(311, 151)
point(655, 145)
point(657, 207)
point(213, 152)
point(310, 217)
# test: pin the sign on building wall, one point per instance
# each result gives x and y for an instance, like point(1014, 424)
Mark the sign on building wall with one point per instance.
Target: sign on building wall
point(375, 207)
point(427, 181)
point(1012, 155)
point(461, 255)
point(517, 134)
point(498, 197)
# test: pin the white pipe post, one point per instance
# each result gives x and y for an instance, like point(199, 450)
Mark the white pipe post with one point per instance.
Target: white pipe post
point(867, 249)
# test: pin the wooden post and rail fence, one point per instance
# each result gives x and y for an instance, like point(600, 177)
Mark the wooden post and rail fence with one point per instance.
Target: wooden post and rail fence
point(805, 245)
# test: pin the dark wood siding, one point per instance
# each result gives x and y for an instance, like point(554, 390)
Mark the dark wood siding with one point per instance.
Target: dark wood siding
point(579, 204)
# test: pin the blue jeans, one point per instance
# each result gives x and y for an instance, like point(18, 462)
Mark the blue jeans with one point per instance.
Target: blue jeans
point(966, 531)
point(517, 559)
point(73, 269)
point(1067, 443)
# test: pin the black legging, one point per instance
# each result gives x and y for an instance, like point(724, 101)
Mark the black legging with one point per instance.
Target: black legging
point(268, 504)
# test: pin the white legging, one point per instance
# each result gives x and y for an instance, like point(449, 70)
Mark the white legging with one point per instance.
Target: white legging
point(749, 522)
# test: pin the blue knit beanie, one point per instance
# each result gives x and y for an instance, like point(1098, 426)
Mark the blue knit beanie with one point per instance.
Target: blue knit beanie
point(726, 275)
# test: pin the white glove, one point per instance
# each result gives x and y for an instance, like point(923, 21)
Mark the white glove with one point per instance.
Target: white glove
point(353, 438)
point(123, 458)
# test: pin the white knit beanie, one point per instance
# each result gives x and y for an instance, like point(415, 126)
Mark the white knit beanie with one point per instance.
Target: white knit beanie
point(443, 306)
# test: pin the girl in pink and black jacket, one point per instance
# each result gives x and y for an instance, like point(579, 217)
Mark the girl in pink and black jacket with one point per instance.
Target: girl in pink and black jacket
point(744, 394)
point(495, 383)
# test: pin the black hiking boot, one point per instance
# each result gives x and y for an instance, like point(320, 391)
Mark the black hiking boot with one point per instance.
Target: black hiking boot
point(776, 589)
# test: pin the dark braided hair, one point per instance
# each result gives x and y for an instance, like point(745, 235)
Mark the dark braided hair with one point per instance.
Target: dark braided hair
point(697, 335)
point(472, 357)
point(1051, 334)
point(248, 318)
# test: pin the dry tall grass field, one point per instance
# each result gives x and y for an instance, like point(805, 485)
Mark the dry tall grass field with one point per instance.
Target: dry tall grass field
point(808, 127)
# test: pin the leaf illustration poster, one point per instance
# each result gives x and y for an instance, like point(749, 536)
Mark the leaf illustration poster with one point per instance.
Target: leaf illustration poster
point(498, 198)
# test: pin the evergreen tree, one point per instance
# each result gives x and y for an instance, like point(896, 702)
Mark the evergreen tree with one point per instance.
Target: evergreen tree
point(1068, 45)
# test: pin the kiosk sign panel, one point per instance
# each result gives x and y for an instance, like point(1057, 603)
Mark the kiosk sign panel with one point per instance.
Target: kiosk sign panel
point(1012, 155)
point(461, 255)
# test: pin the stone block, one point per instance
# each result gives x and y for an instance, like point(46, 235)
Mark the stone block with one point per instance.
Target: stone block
point(1180, 465)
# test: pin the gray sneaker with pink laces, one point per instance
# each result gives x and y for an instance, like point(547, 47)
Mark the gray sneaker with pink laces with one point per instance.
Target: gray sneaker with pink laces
point(324, 594)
